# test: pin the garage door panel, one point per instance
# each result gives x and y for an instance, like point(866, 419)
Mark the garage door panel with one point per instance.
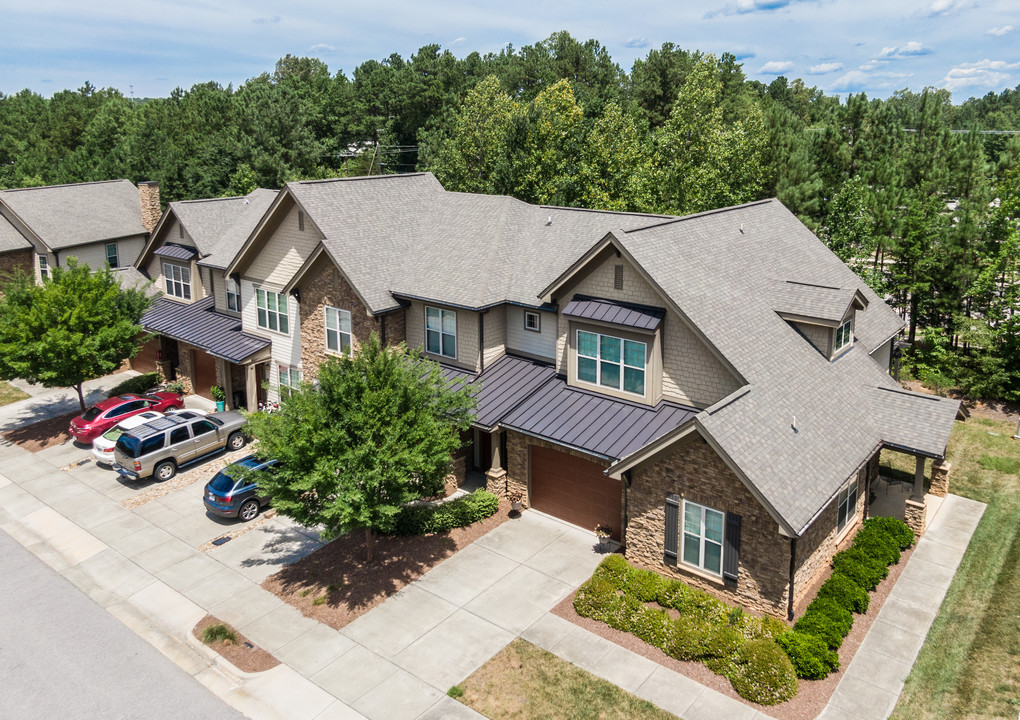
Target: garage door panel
point(574, 490)
point(204, 373)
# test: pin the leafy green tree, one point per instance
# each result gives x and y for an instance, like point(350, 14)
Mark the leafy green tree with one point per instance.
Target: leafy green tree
point(545, 147)
point(847, 231)
point(76, 326)
point(614, 164)
point(377, 433)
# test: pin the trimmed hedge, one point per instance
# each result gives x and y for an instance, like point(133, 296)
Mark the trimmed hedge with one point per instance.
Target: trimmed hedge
point(826, 619)
point(615, 570)
point(137, 384)
point(644, 584)
point(440, 517)
point(811, 657)
point(860, 567)
point(763, 673)
point(846, 592)
point(898, 530)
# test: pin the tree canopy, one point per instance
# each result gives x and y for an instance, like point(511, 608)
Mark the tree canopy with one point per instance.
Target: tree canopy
point(376, 432)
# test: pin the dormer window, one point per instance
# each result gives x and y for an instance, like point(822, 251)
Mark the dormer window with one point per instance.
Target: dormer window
point(611, 362)
point(844, 336)
point(178, 281)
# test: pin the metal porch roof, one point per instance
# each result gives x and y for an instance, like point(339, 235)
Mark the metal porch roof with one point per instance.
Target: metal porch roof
point(200, 325)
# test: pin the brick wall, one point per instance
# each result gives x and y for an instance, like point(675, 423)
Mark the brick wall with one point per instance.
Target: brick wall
point(691, 374)
point(696, 473)
point(18, 259)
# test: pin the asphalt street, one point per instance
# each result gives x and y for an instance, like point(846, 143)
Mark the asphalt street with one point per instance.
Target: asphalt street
point(63, 656)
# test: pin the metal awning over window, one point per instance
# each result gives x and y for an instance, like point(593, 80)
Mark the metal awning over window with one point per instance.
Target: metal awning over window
point(624, 314)
point(175, 251)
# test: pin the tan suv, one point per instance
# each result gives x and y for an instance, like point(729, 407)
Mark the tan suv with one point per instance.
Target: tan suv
point(160, 447)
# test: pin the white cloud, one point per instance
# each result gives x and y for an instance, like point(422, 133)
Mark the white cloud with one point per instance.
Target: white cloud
point(321, 47)
point(825, 68)
point(948, 7)
point(871, 65)
point(851, 82)
point(985, 73)
point(999, 31)
point(911, 49)
point(637, 42)
point(266, 20)
point(456, 42)
point(743, 7)
point(776, 67)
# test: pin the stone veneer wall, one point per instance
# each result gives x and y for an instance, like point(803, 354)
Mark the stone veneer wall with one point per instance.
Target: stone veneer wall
point(326, 286)
point(184, 369)
point(18, 259)
point(696, 473)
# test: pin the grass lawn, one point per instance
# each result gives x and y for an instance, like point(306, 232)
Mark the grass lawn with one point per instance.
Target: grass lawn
point(9, 394)
point(525, 682)
point(969, 666)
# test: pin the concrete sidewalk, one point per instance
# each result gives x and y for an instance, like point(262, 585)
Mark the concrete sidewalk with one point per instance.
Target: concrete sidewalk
point(46, 403)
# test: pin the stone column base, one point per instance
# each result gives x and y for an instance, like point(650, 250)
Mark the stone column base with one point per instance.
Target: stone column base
point(495, 482)
point(940, 478)
point(914, 516)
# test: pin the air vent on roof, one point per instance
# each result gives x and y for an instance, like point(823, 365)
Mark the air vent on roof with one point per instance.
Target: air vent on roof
point(618, 277)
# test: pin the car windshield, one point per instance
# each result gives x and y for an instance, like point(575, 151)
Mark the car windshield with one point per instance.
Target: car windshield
point(129, 445)
point(91, 414)
point(113, 433)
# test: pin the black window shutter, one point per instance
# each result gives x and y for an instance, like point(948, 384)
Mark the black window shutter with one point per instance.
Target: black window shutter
point(731, 551)
point(672, 527)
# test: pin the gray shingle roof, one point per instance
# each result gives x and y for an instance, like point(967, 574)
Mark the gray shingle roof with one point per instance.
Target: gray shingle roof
point(64, 216)
point(814, 301)
point(913, 420)
point(10, 238)
point(131, 278)
point(643, 318)
point(200, 325)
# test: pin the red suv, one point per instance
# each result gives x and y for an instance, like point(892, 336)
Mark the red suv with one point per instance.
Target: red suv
point(101, 417)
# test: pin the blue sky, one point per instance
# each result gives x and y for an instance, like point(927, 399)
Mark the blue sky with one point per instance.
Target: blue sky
point(970, 47)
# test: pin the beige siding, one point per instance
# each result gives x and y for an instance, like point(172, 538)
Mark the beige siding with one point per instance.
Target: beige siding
point(219, 286)
point(820, 336)
point(51, 260)
point(883, 356)
point(284, 252)
point(197, 277)
point(541, 344)
point(494, 324)
point(286, 349)
point(94, 254)
point(468, 356)
point(175, 233)
point(691, 373)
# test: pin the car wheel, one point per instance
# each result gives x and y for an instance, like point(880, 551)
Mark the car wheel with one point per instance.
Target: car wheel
point(249, 510)
point(170, 409)
point(235, 441)
point(165, 470)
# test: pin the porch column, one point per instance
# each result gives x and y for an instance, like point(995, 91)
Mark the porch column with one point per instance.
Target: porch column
point(496, 470)
point(918, 493)
point(251, 387)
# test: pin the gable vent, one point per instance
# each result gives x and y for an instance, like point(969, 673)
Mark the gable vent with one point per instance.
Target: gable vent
point(618, 277)
point(300, 220)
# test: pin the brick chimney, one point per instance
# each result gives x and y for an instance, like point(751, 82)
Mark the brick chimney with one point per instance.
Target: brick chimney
point(148, 195)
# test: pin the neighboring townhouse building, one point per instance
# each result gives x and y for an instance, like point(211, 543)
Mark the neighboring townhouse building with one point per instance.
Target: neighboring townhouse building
point(715, 388)
point(16, 251)
point(95, 222)
point(198, 318)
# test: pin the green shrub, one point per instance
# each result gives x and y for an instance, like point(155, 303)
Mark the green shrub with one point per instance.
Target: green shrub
point(644, 584)
point(811, 656)
point(878, 545)
point(846, 592)
point(218, 632)
point(763, 673)
point(898, 530)
point(686, 639)
point(825, 618)
point(669, 591)
point(615, 570)
point(426, 519)
point(455, 692)
point(721, 645)
point(650, 624)
point(619, 612)
point(702, 606)
point(592, 597)
point(137, 384)
point(860, 567)
point(767, 627)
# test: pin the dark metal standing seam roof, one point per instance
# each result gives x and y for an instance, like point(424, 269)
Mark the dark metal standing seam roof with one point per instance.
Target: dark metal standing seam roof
point(595, 423)
point(175, 251)
point(200, 325)
point(503, 386)
point(635, 316)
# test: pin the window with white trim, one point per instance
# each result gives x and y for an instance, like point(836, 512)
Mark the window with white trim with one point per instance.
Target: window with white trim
point(441, 332)
point(702, 537)
point(111, 254)
point(846, 505)
point(178, 281)
point(271, 311)
point(338, 331)
point(290, 379)
point(611, 362)
point(844, 335)
point(233, 295)
point(532, 321)
point(43, 267)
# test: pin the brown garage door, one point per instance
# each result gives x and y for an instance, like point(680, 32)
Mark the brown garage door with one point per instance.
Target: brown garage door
point(204, 376)
point(575, 490)
point(145, 360)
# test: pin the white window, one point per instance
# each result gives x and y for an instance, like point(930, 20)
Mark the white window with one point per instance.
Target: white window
point(703, 537)
point(532, 321)
point(338, 331)
point(233, 295)
point(111, 254)
point(611, 362)
point(178, 281)
point(272, 310)
point(290, 379)
point(441, 332)
point(43, 267)
point(844, 335)
point(846, 505)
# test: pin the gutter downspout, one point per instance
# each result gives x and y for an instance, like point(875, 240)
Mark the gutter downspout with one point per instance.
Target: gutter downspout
point(793, 572)
point(382, 329)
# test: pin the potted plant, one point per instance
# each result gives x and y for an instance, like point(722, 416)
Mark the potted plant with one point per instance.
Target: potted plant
point(515, 499)
point(219, 396)
point(604, 533)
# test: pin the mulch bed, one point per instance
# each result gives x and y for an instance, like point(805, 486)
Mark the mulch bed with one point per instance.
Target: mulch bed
point(812, 695)
point(43, 434)
point(244, 655)
point(345, 586)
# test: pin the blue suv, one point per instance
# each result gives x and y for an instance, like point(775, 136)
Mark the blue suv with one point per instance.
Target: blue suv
point(231, 494)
